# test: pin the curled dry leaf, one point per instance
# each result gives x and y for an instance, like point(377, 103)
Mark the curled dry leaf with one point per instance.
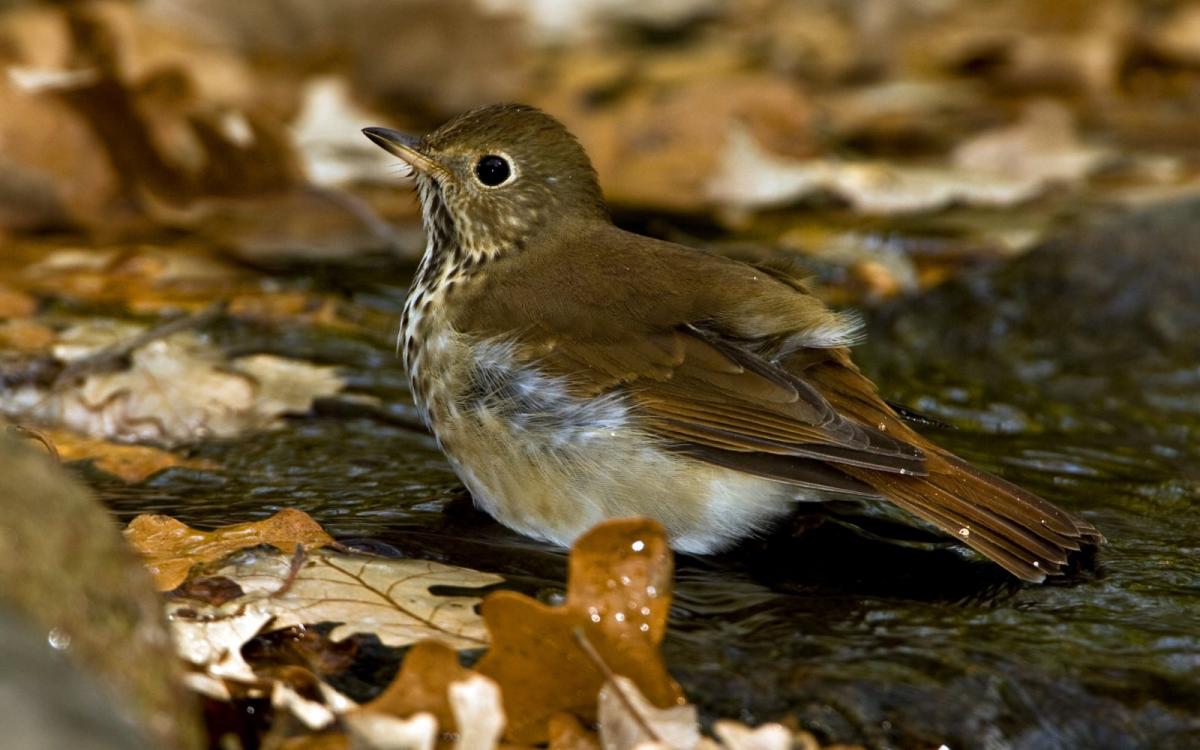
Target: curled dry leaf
point(177, 388)
point(1041, 148)
point(213, 639)
point(618, 598)
point(753, 178)
point(171, 548)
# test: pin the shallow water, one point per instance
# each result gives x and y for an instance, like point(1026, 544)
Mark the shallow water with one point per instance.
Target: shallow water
point(864, 640)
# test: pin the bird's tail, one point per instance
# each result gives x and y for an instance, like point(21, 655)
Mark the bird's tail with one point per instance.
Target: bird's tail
point(1028, 536)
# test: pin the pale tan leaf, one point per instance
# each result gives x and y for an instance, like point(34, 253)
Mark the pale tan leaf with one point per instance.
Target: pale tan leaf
point(372, 731)
point(754, 178)
point(176, 389)
point(389, 598)
point(624, 715)
point(213, 640)
point(737, 736)
point(312, 714)
point(477, 713)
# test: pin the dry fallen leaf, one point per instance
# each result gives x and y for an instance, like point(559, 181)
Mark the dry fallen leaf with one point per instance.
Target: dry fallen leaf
point(618, 597)
point(753, 178)
point(1042, 148)
point(176, 388)
point(171, 548)
point(660, 147)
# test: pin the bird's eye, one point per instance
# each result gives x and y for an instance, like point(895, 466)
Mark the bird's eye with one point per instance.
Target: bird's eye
point(493, 170)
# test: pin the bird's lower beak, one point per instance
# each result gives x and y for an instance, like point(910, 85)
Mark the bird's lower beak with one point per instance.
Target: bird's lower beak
point(405, 146)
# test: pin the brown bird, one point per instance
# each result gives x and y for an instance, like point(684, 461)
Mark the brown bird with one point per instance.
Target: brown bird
point(574, 372)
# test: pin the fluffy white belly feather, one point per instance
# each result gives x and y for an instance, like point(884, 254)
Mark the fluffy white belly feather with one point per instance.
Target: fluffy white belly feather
point(551, 465)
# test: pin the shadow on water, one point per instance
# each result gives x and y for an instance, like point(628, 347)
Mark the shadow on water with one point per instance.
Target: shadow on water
point(1074, 371)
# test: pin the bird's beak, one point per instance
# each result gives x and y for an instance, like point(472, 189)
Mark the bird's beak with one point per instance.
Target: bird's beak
point(407, 147)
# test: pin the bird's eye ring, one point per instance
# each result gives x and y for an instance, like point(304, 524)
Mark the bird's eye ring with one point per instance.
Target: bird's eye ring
point(493, 171)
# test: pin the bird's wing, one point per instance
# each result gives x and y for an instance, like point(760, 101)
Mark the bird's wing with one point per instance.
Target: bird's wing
point(723, 403)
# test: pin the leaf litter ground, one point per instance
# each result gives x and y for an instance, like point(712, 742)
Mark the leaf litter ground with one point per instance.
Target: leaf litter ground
point(586, 673)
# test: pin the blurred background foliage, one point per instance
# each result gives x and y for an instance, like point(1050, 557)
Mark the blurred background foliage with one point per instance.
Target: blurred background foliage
point(818, 127)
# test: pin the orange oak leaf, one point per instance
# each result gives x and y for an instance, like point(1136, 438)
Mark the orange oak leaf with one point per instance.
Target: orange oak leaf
point(618, 598)
point(171, 548)
point(423, 684)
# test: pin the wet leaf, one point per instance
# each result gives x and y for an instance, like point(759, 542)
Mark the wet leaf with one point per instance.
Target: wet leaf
point(618, 597)
point(422, 685)
point(171, 548)
point(131, 463)
point(389, 598)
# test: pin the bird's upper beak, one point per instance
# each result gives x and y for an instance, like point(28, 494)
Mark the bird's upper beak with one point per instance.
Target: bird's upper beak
point(405, 146)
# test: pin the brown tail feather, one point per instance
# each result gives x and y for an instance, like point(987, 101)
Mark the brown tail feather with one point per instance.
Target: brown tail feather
point(1028, 536)
point(1019, 531)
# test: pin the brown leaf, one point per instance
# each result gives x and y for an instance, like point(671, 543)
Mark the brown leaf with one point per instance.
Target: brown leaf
point(661, 147)
point(422, 684)
point(131, 463)
point(301, 646)
point(172, 548)
point(214, 590)
point(15, 304)
point(26, 336)
point(618, 596)
point(567, 733)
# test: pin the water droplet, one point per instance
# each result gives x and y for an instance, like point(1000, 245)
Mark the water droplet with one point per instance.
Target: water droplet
point(595, 617)
point(625, 580)
point(644, 627)
point(964, 532)
point(645, 611)
point(638, 546)
point(651, 592)
point(1037, 564)
point(59, 639)
point(619, 617)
